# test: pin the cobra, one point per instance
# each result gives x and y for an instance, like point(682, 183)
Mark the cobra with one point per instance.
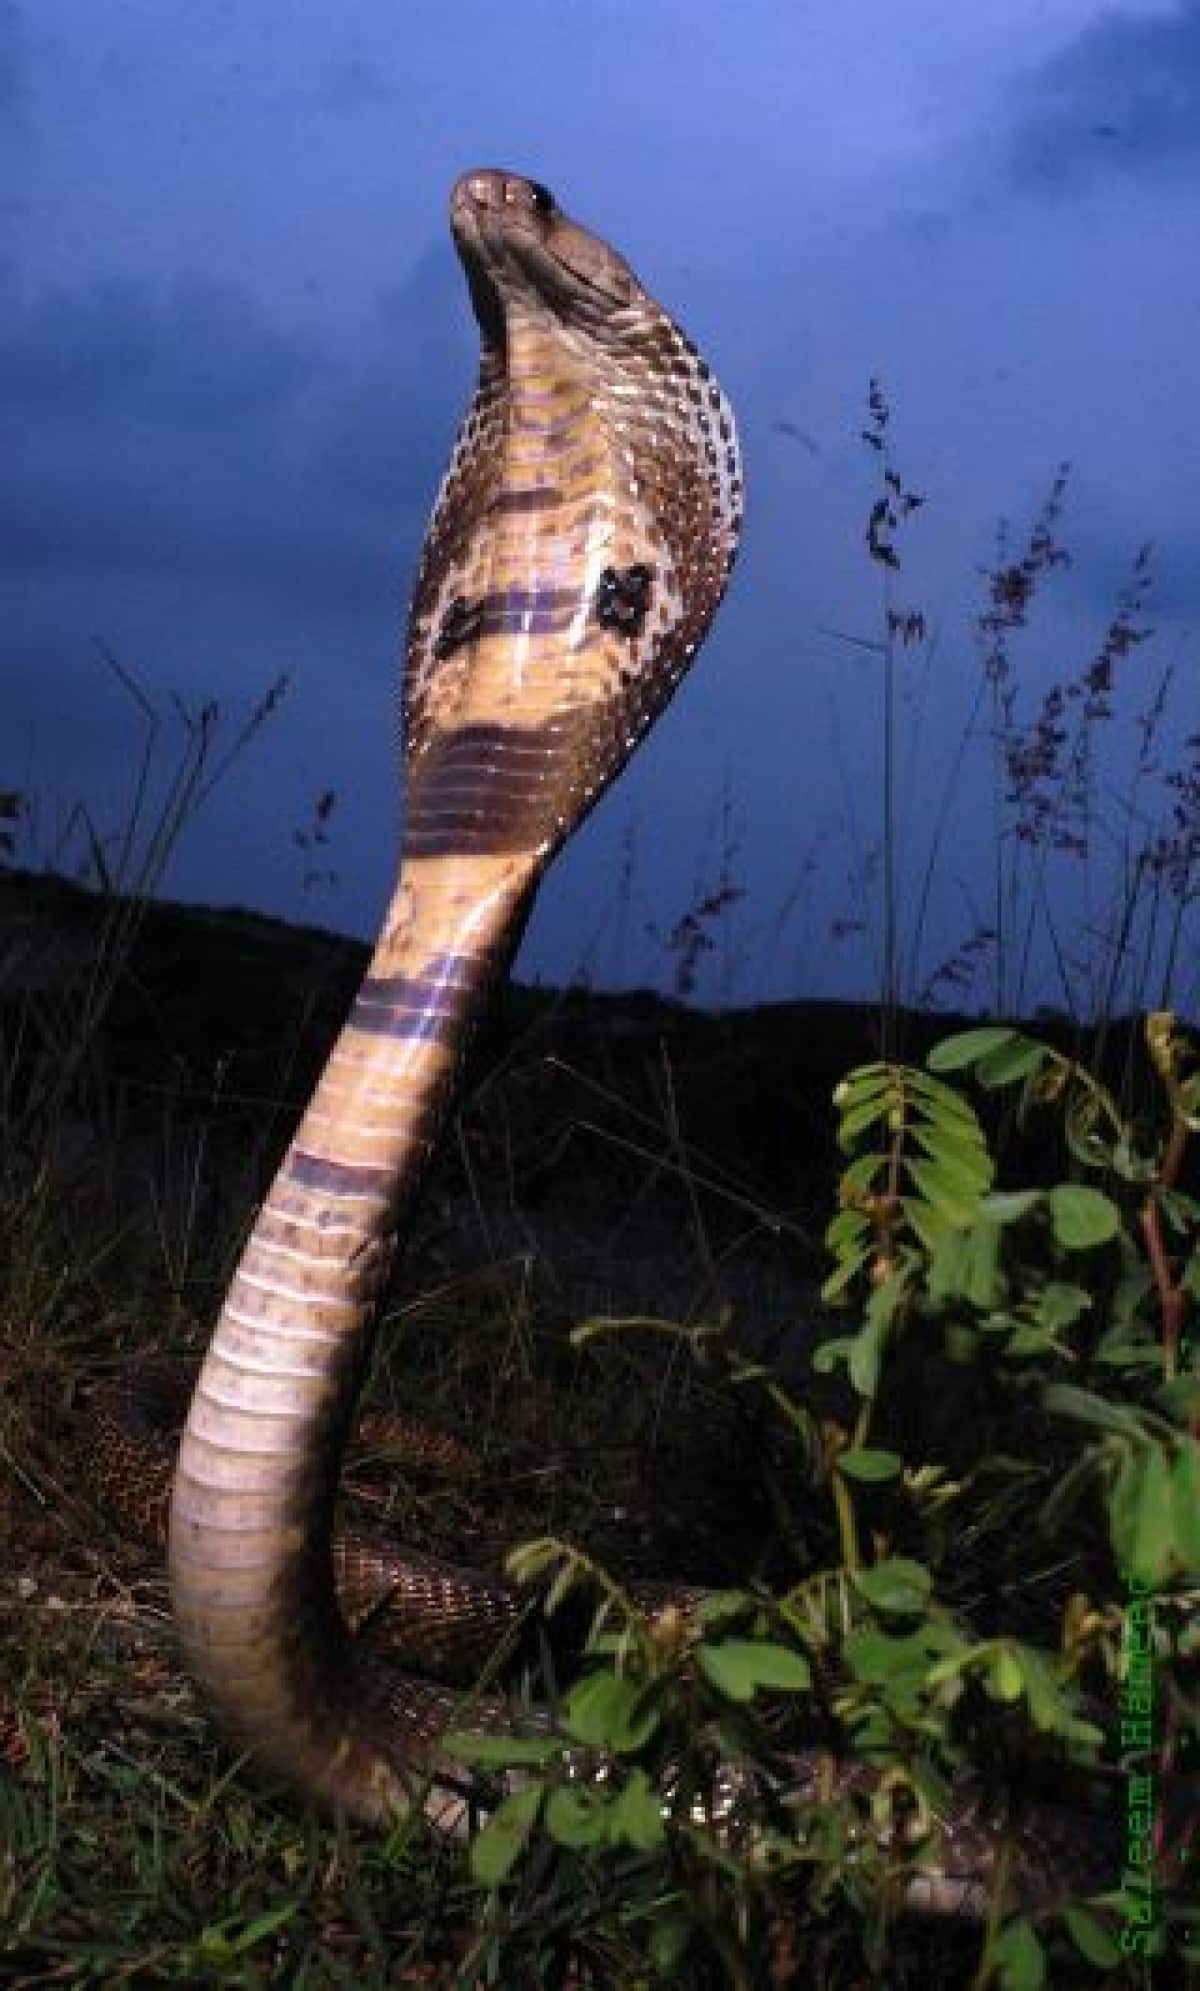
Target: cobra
point(578, 548)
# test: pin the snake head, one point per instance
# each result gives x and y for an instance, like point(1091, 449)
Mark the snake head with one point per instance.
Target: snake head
point(517, 247)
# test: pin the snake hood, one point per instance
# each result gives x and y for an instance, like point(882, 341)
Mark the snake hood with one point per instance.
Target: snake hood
point(589, 517)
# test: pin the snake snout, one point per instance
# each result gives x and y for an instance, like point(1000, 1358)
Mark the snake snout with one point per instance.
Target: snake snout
point(487, 190)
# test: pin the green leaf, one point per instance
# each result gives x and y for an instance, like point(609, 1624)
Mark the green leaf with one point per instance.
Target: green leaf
point(984, 1284)
point(1087, 1408)
point(610, 1711)
point(828, 1354)
point(738, 1667)
point(899, 1663)
point(863, 1352)
point(1140, 1513)
point(929, 1223)
point(847, 1230)
point(1026, 1340)
point(500, 1752)
point(896, 1585)
point(578, 1815)
point(1060, 1305)
point(1115, 1352)
point(1050, 1709)
point(718, 1607)
point(1185, 1489)
point(222, 1942)
point(635, 1818)
point(866, 1355)
point(946, 1113)
point(496, 1849)
point(859, 1462)
point(966, 1157)
point(966, 1265)
point(857, 1119)
point(863, 1082)
point(946, 1274)
point(1091, 1938)
point(1129, 1164)
point(966, 1047)
point(860, 1176)
point(878, 1658)
point(1009, 1062)
point(1049, 1705)
point(1082, 1217)
point(943, 1107)
point(846, 1272)
point(945, 1191)
point(1021, 1957)
point(1007, 1680)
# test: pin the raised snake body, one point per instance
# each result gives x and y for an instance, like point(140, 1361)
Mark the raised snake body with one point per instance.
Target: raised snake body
point(578, 548)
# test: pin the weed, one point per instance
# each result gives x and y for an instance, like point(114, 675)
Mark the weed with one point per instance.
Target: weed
point(963, 1628)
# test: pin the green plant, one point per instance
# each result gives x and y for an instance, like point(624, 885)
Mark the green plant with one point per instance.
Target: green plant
point(1021, 1449)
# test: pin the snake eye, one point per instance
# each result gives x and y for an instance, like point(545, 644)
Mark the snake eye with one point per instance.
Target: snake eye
point(540, 198)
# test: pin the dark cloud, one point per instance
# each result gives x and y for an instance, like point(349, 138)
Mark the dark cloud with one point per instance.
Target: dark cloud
point(225, 483)
point(202, 356)
point(392, 419)
point(217, 501)
point(1124, 97)
point(353, 85)
point(150, 434)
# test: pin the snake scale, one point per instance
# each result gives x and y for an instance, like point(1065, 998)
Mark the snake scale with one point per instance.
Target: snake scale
point(577, 551)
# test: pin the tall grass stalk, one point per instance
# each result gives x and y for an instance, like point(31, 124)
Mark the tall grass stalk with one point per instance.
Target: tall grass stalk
point(1092, 873)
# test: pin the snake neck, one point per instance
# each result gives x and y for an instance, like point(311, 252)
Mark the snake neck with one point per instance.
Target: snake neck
point(252, 1507)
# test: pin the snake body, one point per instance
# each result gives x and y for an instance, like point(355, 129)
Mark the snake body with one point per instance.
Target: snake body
point(578, 548)
point(577, 551)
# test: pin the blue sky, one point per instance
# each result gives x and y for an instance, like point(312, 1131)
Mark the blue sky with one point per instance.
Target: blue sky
point(234, 346)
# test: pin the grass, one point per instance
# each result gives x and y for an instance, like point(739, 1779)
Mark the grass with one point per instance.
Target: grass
point(688, 1165)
